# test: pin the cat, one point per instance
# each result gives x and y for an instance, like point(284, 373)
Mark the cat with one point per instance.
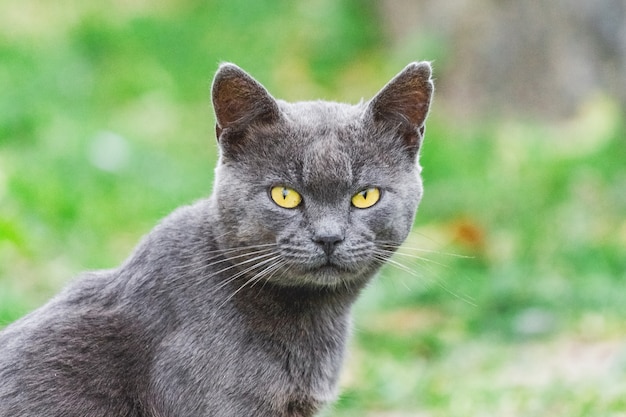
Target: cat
point(237, 305)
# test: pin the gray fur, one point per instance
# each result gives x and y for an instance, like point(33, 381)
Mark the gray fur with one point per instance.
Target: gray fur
point(231, 306)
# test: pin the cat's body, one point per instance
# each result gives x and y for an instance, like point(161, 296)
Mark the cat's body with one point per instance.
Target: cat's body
point(238, 305)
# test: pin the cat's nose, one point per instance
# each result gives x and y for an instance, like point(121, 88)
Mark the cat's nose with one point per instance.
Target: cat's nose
point(328, 242)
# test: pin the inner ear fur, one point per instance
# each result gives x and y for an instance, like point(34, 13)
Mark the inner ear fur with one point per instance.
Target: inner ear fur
point(404, 102)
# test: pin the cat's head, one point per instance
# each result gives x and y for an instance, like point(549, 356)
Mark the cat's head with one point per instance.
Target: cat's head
point(317, 193)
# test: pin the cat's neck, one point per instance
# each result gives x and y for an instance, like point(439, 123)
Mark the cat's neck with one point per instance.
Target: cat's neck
point(283, 301)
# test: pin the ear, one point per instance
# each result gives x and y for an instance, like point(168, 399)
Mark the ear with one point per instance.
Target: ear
point(239, 100)
point(404, 102)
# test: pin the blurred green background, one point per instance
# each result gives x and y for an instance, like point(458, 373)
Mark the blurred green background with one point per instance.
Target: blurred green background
point(509, 298)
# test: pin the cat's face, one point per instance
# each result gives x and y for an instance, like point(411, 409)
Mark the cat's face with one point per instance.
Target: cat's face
point(316, 193)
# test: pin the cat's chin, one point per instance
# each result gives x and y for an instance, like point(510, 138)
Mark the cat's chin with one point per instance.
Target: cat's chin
point(331, 275)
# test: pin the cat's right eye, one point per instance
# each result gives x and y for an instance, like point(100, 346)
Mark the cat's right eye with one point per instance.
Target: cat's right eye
point(285, 197)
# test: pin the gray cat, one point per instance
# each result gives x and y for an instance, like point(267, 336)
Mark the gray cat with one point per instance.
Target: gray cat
point(238, 305)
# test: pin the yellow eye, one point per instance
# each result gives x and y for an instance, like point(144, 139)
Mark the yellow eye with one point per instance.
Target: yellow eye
point(366, 198)
point(286, 197)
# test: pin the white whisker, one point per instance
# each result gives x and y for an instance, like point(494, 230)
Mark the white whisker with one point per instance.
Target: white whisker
point(244, 271)
point(221, 252)
point(400, 246)
point(252, 279)
point(397, 264)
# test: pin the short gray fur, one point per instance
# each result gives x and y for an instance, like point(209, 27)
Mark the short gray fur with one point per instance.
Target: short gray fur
point(232, 306)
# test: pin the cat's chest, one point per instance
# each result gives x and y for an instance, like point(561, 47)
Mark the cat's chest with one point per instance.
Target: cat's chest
point(285, 366)
point(243, 373)
point(307, 388)
point(306, 350)
point(313, 367)
point(309, 361)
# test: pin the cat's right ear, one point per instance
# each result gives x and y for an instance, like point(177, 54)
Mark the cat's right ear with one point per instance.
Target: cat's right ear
point(239, 101)
point(403, 104)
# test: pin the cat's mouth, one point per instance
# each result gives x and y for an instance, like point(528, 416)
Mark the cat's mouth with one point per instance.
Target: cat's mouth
point(330, 267)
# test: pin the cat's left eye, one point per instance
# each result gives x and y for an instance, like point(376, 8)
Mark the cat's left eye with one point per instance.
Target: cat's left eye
point(285, 197)
point(366, 198)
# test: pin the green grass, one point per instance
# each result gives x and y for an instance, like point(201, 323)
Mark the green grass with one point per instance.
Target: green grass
point(517, 307)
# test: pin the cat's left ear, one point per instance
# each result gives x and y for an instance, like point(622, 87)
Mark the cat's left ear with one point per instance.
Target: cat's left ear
point(239, 101)
point(404, 102)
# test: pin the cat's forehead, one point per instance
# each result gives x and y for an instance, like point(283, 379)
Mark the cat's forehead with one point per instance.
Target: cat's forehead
point(325, 134)
point(322, 145)
point(331, 144)
point(326, 163)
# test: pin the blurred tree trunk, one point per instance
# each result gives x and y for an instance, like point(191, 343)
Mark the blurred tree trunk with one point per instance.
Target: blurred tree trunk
point(541, 58)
